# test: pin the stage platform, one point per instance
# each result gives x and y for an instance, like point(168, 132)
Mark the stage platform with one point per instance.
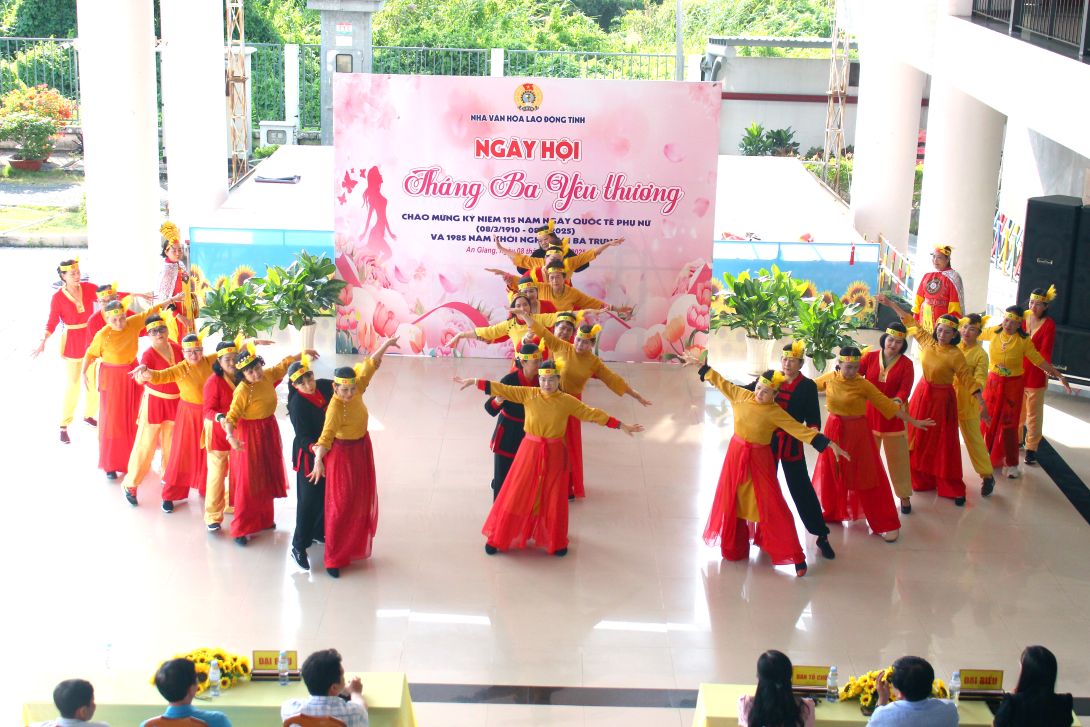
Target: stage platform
point(640, 602)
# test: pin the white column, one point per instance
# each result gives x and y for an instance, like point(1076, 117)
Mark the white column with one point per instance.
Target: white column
point(960, 182)
point(887, 126)
point(120, 126)
point(495, 63)
point(291, 84)
point(193, 102)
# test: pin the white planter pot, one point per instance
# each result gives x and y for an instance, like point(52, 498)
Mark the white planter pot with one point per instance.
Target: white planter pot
point(306, 336)
point(810, 370)
point(758, 354)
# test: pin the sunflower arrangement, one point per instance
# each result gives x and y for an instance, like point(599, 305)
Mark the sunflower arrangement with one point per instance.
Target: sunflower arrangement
point(234, 668)
point(865, 688)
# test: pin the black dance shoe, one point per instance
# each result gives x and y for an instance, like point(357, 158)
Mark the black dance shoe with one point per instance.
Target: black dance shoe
point(800, 569)
point(825, 548)
point(561, 553)
point(987, 486)
point(111, 475)
point(242, 540)
point(130, 496)
point(214, 527)
point(333, 572)
point(491, 549)
point(959, 501)
point(271, 527)
point(91, 421)
point(906, 507)
point(65, 439)
point(168, 506)
point(300, 558)
point(1031, 457)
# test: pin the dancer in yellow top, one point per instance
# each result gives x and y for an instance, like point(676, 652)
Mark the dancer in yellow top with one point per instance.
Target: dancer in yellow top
point(976, 358)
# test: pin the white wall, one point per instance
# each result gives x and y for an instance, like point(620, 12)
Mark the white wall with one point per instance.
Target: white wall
point(777, 75)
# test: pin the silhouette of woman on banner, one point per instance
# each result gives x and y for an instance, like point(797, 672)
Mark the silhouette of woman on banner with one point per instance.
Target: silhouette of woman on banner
point(375, 204)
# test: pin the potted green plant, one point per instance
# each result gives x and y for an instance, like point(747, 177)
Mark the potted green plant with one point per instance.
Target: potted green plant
point(33, 134)
point(824, 327)
point(230, 310)
point(763, 305)
point(301, 292)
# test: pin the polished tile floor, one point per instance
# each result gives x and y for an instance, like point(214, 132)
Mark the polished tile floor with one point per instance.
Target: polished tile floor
point(102, 590)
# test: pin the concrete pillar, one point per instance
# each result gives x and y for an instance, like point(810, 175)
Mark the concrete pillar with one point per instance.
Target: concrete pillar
point(346, 33)
point(192, 73)
point(960, 182)
point(495, 63)
point(120, 126)
point(887, 126)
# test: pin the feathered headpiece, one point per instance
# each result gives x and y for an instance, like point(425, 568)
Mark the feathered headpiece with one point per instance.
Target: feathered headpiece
point(303, 370)
point(589, 335)
point(108, 291)
point(69, 266)
point(1047, 297)
point(170, 231)
point(774, 382)
point(944, 250)
point(797, 350)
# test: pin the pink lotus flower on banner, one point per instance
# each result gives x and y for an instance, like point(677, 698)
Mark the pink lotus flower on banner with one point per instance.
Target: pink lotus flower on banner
point(698, 317)
point(446, 337)
point(411, 338)
point(345, 296)
point(448, 285)
point(371, 271)
point(384, 320)
point(652, 346)
point(675, 329)
point(347, 319)
point(368, 339)
point(703, 292)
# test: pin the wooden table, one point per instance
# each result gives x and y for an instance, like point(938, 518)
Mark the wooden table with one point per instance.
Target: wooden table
point(128, 702)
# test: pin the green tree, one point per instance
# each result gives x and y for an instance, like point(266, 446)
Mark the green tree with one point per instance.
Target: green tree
point(605, 11)
point(43, 18)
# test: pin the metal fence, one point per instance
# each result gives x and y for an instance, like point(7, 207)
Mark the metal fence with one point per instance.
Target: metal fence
point(577, 64)
point(55, 62)
point(993, 9)
point(1058, 21)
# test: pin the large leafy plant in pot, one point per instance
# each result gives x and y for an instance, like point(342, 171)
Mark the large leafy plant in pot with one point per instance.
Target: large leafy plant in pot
point(230, 310)
point(824, 326)
point(763, 305)
point(301, 292)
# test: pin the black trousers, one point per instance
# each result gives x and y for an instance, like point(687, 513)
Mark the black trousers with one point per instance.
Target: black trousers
point(806, 500)
point(501, 465)
point(309, 510)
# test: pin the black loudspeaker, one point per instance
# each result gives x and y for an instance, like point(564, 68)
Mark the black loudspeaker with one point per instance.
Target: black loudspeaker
point(1078, 295)
point(1048, 249)
point(1071, 354)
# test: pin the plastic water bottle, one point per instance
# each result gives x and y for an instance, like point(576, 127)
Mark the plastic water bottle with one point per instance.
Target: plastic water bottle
point(955, 685)
point(214, 678)
point(282, 664)
point(832, 691)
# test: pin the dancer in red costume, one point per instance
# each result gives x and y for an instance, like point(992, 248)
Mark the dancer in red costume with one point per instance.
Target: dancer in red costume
point(532, 504)
point(257, 454)
point(940, 291)
point(1042, 331)
point(343, 455)
point(892, 373)
point(748, 503)
point(859, 487)
point(219, 391)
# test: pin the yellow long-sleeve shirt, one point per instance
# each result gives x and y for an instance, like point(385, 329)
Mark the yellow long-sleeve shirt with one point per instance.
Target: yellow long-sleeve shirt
point(189, 377)
point(976, 358)
point(941, 364)
point(1006, 351)
point(119, 347)
point(547, 414)
point(571, 264)
point(348, 419)
point(513, 328)
point(849, 397)
point(569, 299)
point(756, 422)
point(257, 400)
point(577, 368)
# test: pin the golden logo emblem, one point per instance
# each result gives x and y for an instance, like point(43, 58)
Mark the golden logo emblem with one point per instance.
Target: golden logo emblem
point(528, 97)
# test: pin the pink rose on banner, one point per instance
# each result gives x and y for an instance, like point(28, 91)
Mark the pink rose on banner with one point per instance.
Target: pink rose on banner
point(411, 338)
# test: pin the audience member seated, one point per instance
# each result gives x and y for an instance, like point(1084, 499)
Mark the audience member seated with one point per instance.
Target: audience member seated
point(774, 705)
point(75, 700)
point(323, 674)
point(176, 680)
point(912, 679)
point(1034, 702)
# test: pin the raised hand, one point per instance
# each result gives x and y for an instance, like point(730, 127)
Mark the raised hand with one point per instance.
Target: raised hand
point(312, 353)
point(614, 243)
point(38, 350)
point(689, 358)
point(922, 423)
point(141, 373)
point(466, 383)
point(631, 429)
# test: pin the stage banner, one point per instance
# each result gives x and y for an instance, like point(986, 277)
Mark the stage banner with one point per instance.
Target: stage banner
point(431, 171)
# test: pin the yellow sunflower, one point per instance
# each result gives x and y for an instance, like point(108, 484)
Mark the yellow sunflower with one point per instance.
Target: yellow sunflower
point(810, 291)
point(221, 281)
point(242, 274)
point(856, 288)
point(827, 297)
point(244, 665)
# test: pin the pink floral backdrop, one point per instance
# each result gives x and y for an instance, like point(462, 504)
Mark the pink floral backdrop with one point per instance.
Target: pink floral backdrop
point(418, 198)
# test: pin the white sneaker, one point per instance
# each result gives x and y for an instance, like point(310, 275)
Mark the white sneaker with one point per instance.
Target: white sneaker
point(891, 536)
point(1013, 473)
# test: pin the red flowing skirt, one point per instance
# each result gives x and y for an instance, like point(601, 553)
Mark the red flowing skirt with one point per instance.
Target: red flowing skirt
point(119, 408)
point(351, 501)
point(257, 475)
point(849, 490)
point(187, 467)
point(1003, 399)
point(936, 452)
point(775, 533)
point(533, 502)
point(573, 438)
